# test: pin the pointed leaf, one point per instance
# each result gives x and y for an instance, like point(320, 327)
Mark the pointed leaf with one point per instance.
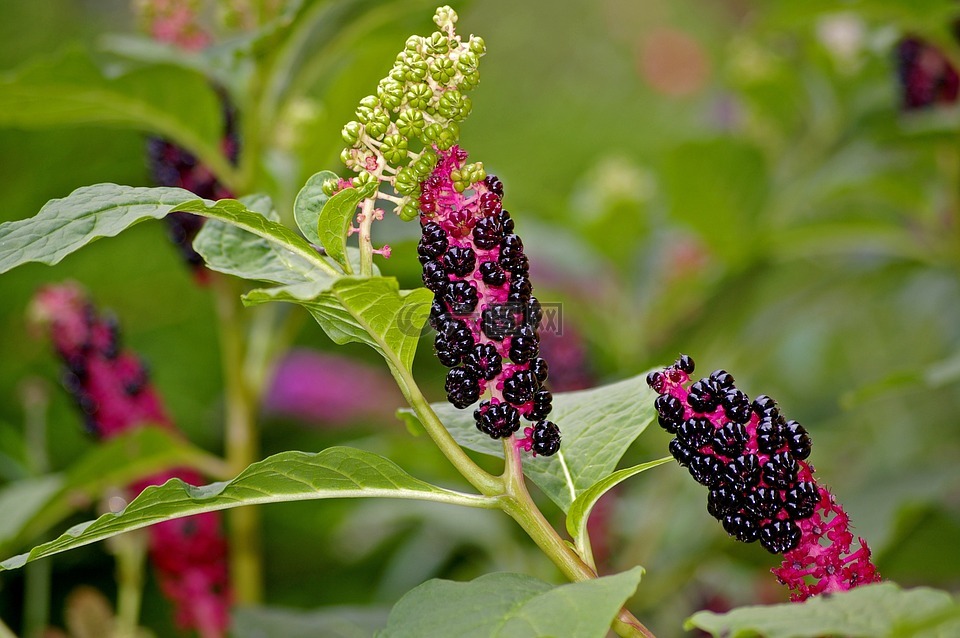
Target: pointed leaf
point(337, 472)
point(871, 611)
point(580, 509)
point(310, 201)
point(597, 425)
point(69, 89)
point(65, 225)
point(334, 222)
point(370, 310)
point(32, 506)
point(511, 606)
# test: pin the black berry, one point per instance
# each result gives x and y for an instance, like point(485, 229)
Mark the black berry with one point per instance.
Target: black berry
point(546, 438)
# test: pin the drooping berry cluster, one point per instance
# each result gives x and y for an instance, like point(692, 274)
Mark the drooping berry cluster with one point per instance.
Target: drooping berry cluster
point(754, 462)
point(416, 111)
point(926, 76)
point(111, 387)
point(484, 311)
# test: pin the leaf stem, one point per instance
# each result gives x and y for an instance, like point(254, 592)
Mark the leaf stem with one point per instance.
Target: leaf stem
point(366, 243)
point(241, 443)
point(486, 483)
point(131, 553)
point(520, 507)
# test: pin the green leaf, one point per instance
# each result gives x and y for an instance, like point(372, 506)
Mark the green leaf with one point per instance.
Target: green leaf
point(370, 310)
point(580, 509)
point(70, 89)
point(230, 249)
point(65, 225)
point(598, 425)
point(511, 606)
point(871, 611)
point(310, 201)
point(32, 506)
point(328, 622)
point(337, 472)
point(334, 222)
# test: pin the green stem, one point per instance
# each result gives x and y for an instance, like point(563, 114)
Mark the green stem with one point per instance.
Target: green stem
point(36, 604)
point(366, 242)
point(486, 483)
point(520, 507)
point(131, 555)
point(241, 443)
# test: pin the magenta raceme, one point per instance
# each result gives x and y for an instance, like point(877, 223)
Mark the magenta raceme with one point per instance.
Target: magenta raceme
point(754, 461)
point(484, 311)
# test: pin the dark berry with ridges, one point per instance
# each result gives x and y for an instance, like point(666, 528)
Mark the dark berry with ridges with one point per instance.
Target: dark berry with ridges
point(453, 343)
point(520, 387)
point(723, 379)
point(680, 451)
point(461, 296)
point(460, 260)
point(764, 502)
point(763, 403)
point(655, 381)
point(797, 440)
point(546, 438)
point(435, 276)
point(490, 204)
point(492, 274)
point(722, 501)
point(801, 500)
point(695, 432)
point(494, 184)
point(520, 290)
point(779, 537)
point(542, 405)
point(769, 437)
point(462, 386)
point(540, 370)
point(511, 247)
point(438, 315)
point(704, 396)
point(485, 361)
point(497, 420)
point(433, 242)
point(517, 266)
point(736, 406)
point(705, 469)
point(780, 471)
point(534, 314)
point(524, 345)
point(506, 222)
point(669, 412)
point(741, 526)
point(685, 364)
point(730, 440)
point(488, 233)
point(743, 472)
point(498, 321)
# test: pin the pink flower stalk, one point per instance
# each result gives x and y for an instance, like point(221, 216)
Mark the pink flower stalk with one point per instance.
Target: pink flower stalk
point(484, 311)
point(112, 388)
point(761, 487)
point(175, 22)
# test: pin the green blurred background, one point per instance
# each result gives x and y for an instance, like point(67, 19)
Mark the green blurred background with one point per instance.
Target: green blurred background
point(735, 180)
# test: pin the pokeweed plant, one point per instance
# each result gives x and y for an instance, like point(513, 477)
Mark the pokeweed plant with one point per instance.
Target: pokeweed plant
point(403, 153)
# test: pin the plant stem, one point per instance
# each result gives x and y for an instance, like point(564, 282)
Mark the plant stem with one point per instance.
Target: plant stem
point(241, 443)
point(486, 483)
point(520, 507)
point(36, 605)
point(366, 242)
point(130, 554)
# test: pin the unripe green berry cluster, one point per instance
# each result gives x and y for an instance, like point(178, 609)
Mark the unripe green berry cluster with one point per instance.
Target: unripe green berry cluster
point(416, 111)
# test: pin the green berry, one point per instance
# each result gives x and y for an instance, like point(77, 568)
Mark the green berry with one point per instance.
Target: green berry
point(477, 45)
point(454, 106)
point(467, 62)
point(438, 44)
point(351, 132)
point(390, 93)
point(408, 211)
point(370, 101)
point(431, 134)
point(441, 70)
point(406, 182)
point(410, 123)
point(394, 149)
point(469, 81)
point(445, 17)
point(419, 96)
point(416, 70)
point(448, 136)
point(329, 187)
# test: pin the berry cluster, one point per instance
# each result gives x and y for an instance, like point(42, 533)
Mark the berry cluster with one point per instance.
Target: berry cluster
point(484, 311)
point(754, 462)
point(416, 111)
point(926, 76)
point(111, 387)
point(171, 165)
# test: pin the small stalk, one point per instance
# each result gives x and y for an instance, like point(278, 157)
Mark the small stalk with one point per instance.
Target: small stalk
point(36, 605)
point(366, 243)
point(241, 443)
point(131, 553)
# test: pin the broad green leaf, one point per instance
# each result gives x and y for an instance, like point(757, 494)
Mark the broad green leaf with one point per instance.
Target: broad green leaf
point(310, 201)
point(370, 310)
point(230, 249)
point(598, 425)
point(580, 509)
point(69, 89)
point(65, 225)
point(334, 222)
point(337, 472)
point(511, 606)
point(327, 622)
point(871, 611)
point(32, 506)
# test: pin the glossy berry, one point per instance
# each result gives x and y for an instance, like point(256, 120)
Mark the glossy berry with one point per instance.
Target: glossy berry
point(485, 361)
point(461, 297)
point(497, 420)
point(546, 438)
point(797, 440)
point(695, 432)
point(770, 438)
point(492, 274)
point(779, 537)
point(435, 277)
point(801, 500)
point(540, 370)
point(686, 364)
point(681, 452)
point(705, 469)
point(488, 232)
point(780, 471)
point(462, 386)
point(736, 405)
point(723, 379)
point(764, 502)
point(722, 501)
point(730, 440)
point(669, 411)
point(704, 396)
point(460, 261)
point(542, 405)
point(741, 526)
point(743, 472)
point(498, 321)
point(524, 345)
point(520, 387)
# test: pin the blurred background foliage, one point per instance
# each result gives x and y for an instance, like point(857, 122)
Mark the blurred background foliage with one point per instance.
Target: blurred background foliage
point(736, 180)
